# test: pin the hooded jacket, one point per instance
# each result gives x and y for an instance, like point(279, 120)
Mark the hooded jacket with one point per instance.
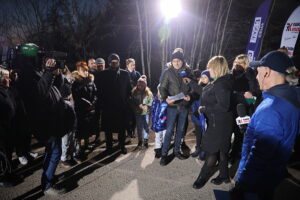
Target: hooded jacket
point(269, 139)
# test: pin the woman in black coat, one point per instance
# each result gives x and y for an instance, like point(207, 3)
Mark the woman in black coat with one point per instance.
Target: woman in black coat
point(217, 109)
point(84, 93)
point(245, 86)
point(246, 91)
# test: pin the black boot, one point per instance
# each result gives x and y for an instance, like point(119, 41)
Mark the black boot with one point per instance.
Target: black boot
point(157, 153)
point(146, 143)
point(195, 153)
point(163, 161)
point(123, 149)
point(180, 156)
point(200, 182)
point(219, 180)
point(140, 143)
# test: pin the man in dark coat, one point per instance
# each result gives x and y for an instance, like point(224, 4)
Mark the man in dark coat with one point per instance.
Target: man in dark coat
point(114, 91)
point(172, 84)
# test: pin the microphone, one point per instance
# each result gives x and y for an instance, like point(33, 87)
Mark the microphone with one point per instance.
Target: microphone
point(183, 74)
point(243, 118)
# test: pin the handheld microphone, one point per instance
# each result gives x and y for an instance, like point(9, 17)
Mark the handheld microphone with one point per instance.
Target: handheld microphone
point(183, 74)
point(242, 119)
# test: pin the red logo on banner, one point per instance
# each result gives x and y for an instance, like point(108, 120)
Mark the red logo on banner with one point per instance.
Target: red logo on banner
point(295, 27)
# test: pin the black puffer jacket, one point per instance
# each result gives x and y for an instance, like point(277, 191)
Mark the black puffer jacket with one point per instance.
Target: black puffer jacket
point(85, 97)
point(217, 99)
point(172, 84)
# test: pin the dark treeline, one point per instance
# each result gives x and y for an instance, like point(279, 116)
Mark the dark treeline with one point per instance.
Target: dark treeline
point(95, 28)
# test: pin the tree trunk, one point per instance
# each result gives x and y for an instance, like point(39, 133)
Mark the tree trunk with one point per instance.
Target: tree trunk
point(140, 35)
point(203, 34)
point(224, 29)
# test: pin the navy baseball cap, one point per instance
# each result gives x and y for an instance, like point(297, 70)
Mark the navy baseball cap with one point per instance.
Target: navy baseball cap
point(275, 60)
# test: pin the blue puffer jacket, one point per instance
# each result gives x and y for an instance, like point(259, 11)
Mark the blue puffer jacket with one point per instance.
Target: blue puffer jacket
point(269, 139)
point(159, 115)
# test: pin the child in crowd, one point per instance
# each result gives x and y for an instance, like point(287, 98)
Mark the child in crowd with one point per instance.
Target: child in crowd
point(197, 119)
point(159, 125)
point(142, 98)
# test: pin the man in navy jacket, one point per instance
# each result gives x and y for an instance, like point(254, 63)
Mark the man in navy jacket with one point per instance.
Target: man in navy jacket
point(271, 134)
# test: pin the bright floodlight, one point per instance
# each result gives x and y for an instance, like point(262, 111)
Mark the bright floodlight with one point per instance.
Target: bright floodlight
point(170, 8)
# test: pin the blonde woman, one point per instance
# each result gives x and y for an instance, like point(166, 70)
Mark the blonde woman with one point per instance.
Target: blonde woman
point(245, 82)
point(216, 106)
point(246, 92)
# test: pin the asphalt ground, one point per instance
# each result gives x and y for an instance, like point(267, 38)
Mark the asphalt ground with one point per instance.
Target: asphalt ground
point(136, 175)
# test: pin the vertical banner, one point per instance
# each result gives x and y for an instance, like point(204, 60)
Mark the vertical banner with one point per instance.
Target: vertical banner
point(257, 30)
point(291, 31)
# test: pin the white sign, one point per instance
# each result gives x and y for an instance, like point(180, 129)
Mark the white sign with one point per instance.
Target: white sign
point(291, 31)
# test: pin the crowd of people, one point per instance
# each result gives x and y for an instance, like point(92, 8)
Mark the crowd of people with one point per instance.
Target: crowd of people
point(63, 109)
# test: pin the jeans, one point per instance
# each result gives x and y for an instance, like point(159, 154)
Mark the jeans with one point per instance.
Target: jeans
point(52, 156)
point(174, 115)
point(142, 124)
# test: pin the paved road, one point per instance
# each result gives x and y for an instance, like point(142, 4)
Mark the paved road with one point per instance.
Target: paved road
point(136, 175)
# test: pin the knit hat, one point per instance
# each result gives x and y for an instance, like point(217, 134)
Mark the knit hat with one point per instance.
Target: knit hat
point(143, 79)
point(99, 61)
point(177, 55)
point(206, 73)
point(112, 57)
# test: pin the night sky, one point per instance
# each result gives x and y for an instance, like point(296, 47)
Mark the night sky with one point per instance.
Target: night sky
point(96, 28)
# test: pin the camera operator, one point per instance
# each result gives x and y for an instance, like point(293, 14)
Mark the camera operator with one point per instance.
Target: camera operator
point(44, 106)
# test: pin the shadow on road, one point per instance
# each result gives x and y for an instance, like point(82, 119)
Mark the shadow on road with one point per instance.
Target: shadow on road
point(69, 179)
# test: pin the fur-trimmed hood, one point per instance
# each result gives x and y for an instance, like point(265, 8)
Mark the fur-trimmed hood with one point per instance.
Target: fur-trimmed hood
point(77, 77)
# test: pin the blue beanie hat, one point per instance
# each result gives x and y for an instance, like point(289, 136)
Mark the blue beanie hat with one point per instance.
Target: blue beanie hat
point(206, 73)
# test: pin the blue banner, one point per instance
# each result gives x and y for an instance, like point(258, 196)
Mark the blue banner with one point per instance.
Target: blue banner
point(257, 30)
